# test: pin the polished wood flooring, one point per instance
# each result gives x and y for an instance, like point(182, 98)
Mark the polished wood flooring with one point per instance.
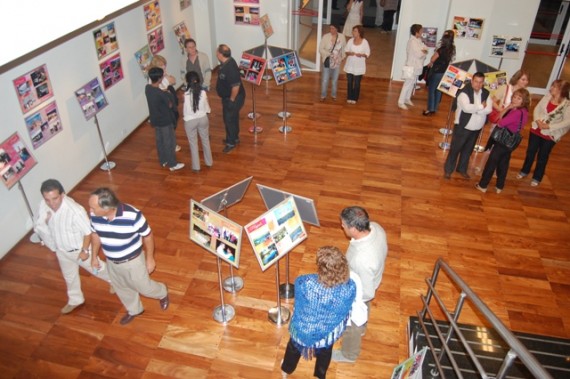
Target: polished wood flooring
point(513, 248)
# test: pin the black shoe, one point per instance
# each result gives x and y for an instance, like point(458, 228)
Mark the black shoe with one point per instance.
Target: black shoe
point(465, 175)
point(226, 142)
point(228, 148)
point(128, 318)
point(164, 302)
point(447, 175)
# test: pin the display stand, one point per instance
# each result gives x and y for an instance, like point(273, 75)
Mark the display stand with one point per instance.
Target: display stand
point(444, 145)
point(284, 115)
point(34, 238)
point(287, 289)
point(223, 313)
point(234, 283)
point(253, 115)
point(108, 165)
point(266, 75)
point(278, 315)
point(478, 147)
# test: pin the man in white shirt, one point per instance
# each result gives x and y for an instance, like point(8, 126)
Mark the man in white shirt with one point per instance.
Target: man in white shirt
point(470, 117)
point(64, 228)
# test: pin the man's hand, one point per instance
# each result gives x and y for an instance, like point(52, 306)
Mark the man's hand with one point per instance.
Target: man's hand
point(150, 265)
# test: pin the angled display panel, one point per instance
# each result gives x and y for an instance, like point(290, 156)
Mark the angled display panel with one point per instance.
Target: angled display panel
point(306, 206)
point(227, 197)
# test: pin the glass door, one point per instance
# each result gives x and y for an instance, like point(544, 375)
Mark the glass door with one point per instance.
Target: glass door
point(306, 33)
point(548, 47)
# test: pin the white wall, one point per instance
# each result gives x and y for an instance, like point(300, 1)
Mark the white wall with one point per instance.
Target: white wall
point(504, 17)
point(75, 151)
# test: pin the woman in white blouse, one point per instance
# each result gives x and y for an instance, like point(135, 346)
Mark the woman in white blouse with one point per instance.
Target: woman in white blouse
point(357, 51)
point(416, 52)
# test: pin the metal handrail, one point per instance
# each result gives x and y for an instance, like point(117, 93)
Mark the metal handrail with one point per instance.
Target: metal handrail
point(517, 349)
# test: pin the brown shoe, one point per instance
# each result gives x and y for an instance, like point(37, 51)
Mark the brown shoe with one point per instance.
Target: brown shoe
point(128, 318)
point(164, 302)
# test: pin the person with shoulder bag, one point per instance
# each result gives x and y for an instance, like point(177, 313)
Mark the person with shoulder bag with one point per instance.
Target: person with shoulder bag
point(332, 52)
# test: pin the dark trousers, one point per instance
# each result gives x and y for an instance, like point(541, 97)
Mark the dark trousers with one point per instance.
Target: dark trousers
point(353, 92)
point(230, 110)
point(434, 96)
point(388, 20)
point(462, 144)
point(165, 145)
point(292, 356)
point(499, 160)
point(540, 149)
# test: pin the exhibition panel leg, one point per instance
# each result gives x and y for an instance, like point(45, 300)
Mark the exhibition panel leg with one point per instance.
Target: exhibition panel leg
point(108, 165)
point(233, 283)
point(278, 315)
point(223, 313)
point(287, 289)
point(444, 145)
point(254, 115)
point(284, 115)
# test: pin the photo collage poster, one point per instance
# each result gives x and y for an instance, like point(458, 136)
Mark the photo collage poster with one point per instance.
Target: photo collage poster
point(184, 4)
point(251, 68)
point(453, 80)
point(495, 80)
point(144, 57)
point(153, 23)
point(276, 232)
point(111, 71)
point(43, 124)
point(429, 36)
point(15, 160)
point(33, 88)
point(467, 28)
point(506, 47)
point(215, 233)
point(246, 12)
point(182, 33)
point(285, 68)
point(91, 98)
point(266, 26)
point(411, 368)
point(106, 40)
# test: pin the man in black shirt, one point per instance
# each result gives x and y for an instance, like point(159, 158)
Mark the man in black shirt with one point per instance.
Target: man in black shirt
point(231, 91)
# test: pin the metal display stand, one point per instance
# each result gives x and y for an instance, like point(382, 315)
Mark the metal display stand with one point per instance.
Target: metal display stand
point(233, 283)
point(254, 115)
point(223, 313)
point(284, 115)
point(444, 145)
point(278, 315)
point(266, 75)
point(287, 289)
point(108, 165)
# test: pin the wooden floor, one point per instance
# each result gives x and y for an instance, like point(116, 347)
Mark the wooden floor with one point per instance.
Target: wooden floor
point(513, 248)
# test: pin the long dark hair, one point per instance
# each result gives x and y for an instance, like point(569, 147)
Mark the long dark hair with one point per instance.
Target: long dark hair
point(447, 48)
point(194, 88)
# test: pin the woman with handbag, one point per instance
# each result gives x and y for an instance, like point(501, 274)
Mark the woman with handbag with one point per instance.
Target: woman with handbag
point(513, 118)
point(502, 97)
point(416, 52)
point(439, 61)
point(357, 51)
point(332, 53)
point(551, 123)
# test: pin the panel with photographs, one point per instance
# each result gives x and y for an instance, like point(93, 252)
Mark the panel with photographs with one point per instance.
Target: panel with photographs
point(285, 67)
point(152, 15)
point(15, 160)
point(182, 33)
point(111, 71)
point(266, 26)
point(246, 14)
point(276, 232)
point(215, 233)
point(143, 57)
point(251, 68)
point(184, 4)
point(429, 36)
point(43, 124)
point(91, 98)
point(106, 40)
point(33, 88)
point(453, 80)
point(495, 80)
point(506, 47)
point(467, 28)
point(155, 40)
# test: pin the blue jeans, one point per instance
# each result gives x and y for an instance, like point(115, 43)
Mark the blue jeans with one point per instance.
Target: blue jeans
point(327, 73)
point(434, 96)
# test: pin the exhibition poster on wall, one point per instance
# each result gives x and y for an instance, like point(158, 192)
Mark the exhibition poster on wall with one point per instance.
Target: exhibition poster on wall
point(266, 26)
point(33, 88)
point(111, 71)
point(184, 4)
point(43, 124)
point(217, 234)
point(106, 40)
point(246, 14)
point(429, 36)
point(251, 68)
point(453, 80)
point(152, 15)
point(495, 80)
point(285, 67)
point(411, 368)
point(506, 47)
point(276, 232)
point(467, 28)
point(182, 33)
point(156, 40)
point(91, 98)
point(15, 160)
point(144, 57)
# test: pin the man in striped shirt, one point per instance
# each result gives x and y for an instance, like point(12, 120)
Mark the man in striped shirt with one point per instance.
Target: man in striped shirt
point(126, 240)
point(64, 228)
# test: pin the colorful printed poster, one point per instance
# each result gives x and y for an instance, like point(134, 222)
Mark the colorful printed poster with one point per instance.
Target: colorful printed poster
point(33, 88)
point(15, 160)
point(91, 98)
point(467, 28)
point(111, 71)
point(266, 26)
point(217, 234)
point(152, 15)
point(429, 36)
point(251, 68)
point(144, 57)
point(182, 33)
point(106, 40)
point(184, 4)
point(495, 80)
point(246, 15)
point(453, 80)
point(411, 368)
point(43, 124)
point(156, 40)
point(285, 68)
point(506, 47)
point(276, 232)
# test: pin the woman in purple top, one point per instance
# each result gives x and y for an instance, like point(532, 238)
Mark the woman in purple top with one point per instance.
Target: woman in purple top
point(513, 117)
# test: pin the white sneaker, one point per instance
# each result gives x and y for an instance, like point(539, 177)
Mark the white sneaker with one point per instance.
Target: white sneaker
point(177, 148)
point(402, 106)
point(409, 102)
point(177, 167)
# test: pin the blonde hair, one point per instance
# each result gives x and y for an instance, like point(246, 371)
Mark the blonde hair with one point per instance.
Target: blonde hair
point(157, 61)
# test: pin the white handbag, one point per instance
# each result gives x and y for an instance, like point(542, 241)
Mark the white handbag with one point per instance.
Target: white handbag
point(407, 72)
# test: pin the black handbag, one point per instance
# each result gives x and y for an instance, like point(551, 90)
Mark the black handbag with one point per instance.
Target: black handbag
point(327, 62)
point(506, 138)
